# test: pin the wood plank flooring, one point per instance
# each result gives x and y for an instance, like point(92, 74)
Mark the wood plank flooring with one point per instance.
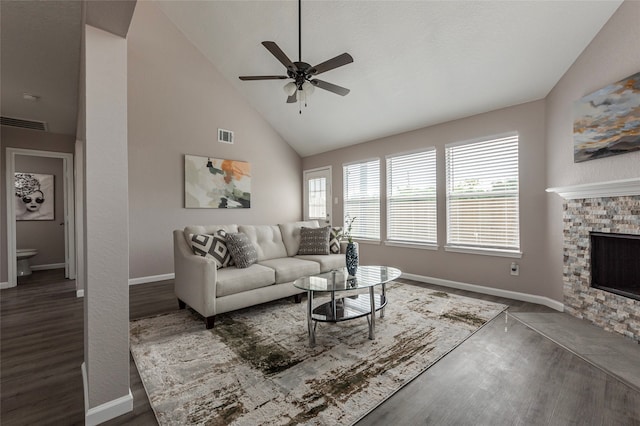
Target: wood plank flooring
point(515, 377)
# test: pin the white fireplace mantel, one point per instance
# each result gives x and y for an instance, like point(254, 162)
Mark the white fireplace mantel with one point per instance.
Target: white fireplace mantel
point(613, 188)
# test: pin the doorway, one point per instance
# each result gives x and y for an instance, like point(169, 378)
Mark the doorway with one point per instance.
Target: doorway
point(317, 195)
point(68, 220)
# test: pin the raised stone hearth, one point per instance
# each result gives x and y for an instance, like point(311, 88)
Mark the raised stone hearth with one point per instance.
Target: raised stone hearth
point(617, 214)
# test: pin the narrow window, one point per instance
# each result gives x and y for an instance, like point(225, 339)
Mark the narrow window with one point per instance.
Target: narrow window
point(362, 198)
point(411, 198)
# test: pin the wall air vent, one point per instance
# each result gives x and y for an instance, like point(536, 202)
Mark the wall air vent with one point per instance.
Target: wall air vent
point(24, 124)
point(225, 136)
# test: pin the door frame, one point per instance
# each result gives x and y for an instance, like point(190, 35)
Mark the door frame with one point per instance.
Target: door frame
point(305, 191)
point(69, 210)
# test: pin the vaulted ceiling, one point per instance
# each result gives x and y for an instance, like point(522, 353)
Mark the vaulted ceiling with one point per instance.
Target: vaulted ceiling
point(416, 63)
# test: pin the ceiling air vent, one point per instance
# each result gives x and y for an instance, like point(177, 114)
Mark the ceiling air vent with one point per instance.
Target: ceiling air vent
point(225, 136)
point(25, 124)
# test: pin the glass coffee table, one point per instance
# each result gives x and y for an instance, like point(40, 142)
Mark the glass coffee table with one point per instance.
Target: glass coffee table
point(347, 306)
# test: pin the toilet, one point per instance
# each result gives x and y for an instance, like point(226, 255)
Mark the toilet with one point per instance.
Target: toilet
point(23, 256)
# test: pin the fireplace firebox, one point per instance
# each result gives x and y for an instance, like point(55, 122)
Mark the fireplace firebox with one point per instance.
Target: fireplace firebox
point(615, 263)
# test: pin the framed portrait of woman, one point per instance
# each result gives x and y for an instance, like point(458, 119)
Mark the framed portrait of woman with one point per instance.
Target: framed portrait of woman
point(34, 196)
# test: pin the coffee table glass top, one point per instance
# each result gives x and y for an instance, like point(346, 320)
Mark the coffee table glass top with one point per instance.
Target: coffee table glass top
point(339, 279)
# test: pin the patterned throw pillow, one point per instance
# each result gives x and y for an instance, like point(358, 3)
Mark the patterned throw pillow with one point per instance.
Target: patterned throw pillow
point(213, 247)
point(334, 240)
point(314, 240)
point(243, 253)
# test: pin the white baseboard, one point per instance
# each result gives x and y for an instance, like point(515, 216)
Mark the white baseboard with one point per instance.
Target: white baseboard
point(525, 297)
point(47, 266)
point(80, 293)
point(108, 410)
point(6, 285)
point(151, 279)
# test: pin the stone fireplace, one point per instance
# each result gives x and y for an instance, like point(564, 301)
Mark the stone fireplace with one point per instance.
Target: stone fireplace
point(619, 214)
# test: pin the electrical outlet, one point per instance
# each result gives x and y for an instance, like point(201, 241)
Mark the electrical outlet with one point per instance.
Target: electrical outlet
point(515, 268)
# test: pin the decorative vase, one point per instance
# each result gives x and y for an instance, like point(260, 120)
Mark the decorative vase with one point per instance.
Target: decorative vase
point(352, 259)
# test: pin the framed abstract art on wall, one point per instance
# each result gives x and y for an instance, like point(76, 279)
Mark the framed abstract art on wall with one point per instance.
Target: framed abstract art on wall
point(607, 121)
point(212, 183)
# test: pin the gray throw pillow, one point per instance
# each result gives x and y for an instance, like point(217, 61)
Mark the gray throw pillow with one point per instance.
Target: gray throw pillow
point(314, 240)
point(243, 253)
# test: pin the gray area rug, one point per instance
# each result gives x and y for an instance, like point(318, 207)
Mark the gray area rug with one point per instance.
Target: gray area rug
point(255, 367)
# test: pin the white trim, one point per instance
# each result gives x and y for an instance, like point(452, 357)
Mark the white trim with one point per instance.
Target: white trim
point(525, 297)
point(107, 411)
point(80, 293)
point(69, 209)
point(151, 279)
point(47, 266)
point(421, 246)
point(612, 188)
point(85, 386)
point(6, 285)
point(484, 251)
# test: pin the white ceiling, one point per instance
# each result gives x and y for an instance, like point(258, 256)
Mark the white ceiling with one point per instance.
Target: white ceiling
point(416, 63)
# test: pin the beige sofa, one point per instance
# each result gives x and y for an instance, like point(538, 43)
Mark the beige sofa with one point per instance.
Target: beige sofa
point(211, 291)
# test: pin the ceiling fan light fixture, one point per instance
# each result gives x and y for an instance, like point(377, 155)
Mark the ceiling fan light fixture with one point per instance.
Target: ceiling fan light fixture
point(290, 88)
point(308, 88)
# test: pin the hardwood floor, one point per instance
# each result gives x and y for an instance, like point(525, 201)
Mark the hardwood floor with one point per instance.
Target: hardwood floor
point(512, 377)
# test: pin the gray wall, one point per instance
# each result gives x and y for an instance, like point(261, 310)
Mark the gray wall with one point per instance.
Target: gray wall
point(529, 120)
point(46, 236)
point(11, 137)
point(177, 100)
point(612, 55)
point(106, 301)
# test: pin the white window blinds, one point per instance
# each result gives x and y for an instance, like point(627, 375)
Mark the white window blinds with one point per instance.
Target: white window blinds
point(362, 198)
point(482, 194)
point(411, 198)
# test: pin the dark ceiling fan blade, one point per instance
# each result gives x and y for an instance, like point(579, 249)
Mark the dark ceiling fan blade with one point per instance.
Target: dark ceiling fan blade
point(292, 99)
point(280, 55)
point(332, 63)
point(263, 77)
point(342, 91)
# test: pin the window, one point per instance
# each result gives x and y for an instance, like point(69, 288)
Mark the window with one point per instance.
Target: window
point(317, 198)
point(362, 198)
point(482, 195)
point(411, 198)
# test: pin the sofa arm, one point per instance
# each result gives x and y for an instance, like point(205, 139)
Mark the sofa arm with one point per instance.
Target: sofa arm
point(195, 277)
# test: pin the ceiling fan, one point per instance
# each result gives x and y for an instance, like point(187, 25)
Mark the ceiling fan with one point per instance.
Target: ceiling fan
point(302, 74)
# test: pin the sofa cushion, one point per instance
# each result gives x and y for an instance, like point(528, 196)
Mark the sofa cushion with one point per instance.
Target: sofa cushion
point(291, 234)
point(314, 240)
point(242, 250)
point(334, 239)
point(212, 246)
point(267, 240)
point(289, 269)
point(326, 262)
point(234, 280)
